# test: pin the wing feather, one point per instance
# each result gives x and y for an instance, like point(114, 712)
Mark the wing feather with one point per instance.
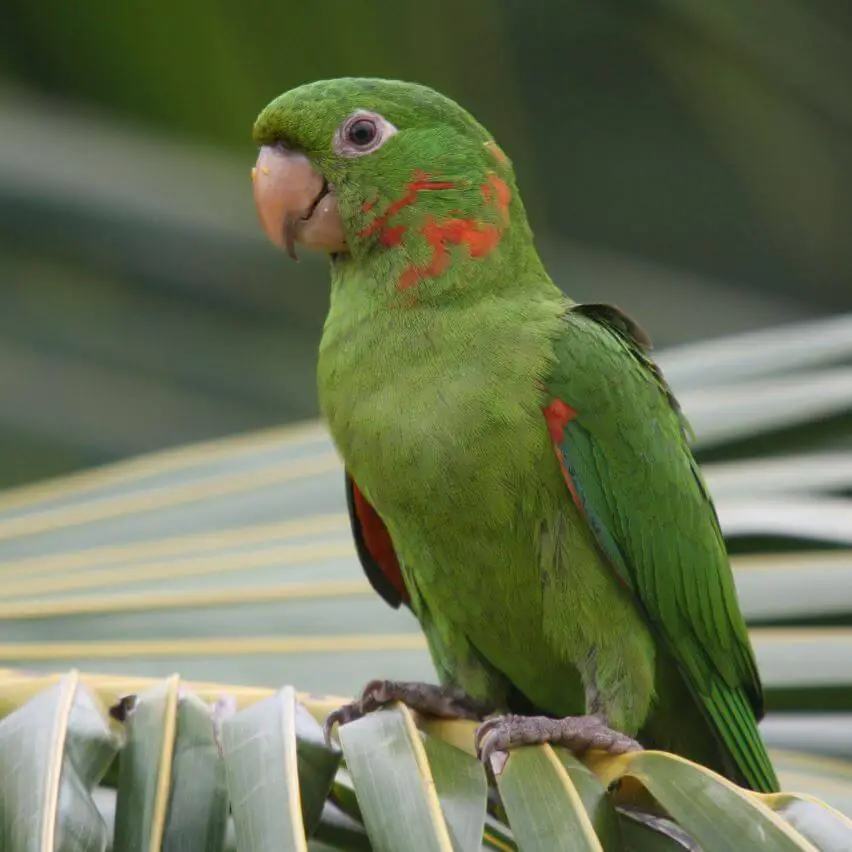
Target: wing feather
point(622, 441)
point(375, 548)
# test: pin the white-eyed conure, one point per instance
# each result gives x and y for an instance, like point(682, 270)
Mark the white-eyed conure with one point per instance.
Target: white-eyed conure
point(517, 469)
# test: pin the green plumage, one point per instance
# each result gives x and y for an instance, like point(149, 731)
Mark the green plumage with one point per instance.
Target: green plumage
point(434, 384)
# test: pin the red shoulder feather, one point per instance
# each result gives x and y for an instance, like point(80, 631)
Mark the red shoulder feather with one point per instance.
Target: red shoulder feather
point(375, 548)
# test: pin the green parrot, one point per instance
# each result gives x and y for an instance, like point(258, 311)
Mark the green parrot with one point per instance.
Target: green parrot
point(517, 469)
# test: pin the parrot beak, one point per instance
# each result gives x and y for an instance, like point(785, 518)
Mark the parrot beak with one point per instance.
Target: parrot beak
point(295, 203)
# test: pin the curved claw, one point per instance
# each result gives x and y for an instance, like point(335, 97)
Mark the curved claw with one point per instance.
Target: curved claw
point(577, 733)
point(442, 701)
point(344, 714)
point(486, 744)
point(493, 735)
point(373, 696)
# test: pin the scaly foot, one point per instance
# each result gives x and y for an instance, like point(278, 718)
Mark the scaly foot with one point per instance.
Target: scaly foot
point(577, 733)
point(448, 702)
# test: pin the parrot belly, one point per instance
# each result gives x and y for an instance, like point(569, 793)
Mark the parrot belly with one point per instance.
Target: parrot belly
point(520, 579)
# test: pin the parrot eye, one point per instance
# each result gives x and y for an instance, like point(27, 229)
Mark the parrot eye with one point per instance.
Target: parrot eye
point(362, 133)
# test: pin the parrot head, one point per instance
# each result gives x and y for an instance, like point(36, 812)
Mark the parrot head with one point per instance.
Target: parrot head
point(371, 170)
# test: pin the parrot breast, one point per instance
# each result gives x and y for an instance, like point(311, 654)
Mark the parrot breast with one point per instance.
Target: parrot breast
point(445, 435)
point(427, 423)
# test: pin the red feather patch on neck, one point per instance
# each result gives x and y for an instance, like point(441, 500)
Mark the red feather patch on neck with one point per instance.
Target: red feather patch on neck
point(420, 182)
point(497, 152)
point(480, 238)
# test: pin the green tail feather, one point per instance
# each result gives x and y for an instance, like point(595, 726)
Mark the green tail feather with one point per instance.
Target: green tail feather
point(736, 727)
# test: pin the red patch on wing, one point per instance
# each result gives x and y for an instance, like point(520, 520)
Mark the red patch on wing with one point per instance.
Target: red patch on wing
point(558, 415)
point(378, 542)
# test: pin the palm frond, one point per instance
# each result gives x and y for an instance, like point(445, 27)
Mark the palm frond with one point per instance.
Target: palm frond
point(231, 562)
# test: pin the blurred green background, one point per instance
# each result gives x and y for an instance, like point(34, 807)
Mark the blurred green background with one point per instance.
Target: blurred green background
point(687, 160)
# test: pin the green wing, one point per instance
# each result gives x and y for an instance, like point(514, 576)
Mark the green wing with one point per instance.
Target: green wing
point(621, 440)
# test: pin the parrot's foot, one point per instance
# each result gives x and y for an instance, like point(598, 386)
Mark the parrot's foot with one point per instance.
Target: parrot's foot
point(577, 733)
point(448, 702)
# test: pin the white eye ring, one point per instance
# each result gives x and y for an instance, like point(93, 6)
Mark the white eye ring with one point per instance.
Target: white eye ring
point(362, 133)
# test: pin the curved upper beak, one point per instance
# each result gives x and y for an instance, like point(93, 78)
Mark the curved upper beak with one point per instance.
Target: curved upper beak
point(294, 202)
